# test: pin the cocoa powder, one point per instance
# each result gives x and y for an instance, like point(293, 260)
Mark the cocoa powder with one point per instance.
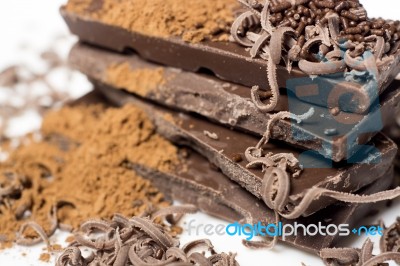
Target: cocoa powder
point(79, 167)
point(45, 257)
point(138, 81)
point(192, 20)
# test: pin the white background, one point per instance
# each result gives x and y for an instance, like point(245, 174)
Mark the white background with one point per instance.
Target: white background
point(34, 24)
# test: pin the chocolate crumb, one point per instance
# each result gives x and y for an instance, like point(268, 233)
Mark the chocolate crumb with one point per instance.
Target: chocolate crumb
point(213, 136)
point(237, 158)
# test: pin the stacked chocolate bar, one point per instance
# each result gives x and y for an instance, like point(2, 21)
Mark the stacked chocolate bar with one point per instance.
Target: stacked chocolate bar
point(279, 104)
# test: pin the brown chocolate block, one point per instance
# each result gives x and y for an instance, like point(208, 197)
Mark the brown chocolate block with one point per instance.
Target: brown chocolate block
point(230, 104)
point(220, 145)
point(231, 62)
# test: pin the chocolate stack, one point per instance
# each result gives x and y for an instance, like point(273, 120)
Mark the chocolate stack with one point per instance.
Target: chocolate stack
point(277, 106)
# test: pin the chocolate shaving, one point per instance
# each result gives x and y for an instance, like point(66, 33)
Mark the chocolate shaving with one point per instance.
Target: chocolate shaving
point(72, 256)
point(21, 240)
point(42, 235)
point(321, 68)
point(333, 25)
point(276, 43)
point(390, 241)
point(340, 256)
point(140, 241)
point(316, 193)
point(259, 41)
point(265, 18)
point(247, 19)
point(363, 256)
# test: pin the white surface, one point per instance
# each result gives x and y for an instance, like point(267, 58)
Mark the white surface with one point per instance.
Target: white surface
point(35, 24)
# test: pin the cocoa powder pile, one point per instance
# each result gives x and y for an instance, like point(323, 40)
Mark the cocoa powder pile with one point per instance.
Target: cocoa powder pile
point(192, 20)
point(77, 171)
point(138, 81)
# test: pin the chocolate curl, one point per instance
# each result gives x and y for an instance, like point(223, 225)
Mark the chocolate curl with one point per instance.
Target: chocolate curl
point(140, 241)
point(316, 193)
point(357, 257)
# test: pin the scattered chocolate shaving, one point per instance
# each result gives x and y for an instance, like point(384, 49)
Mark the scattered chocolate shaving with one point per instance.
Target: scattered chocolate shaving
point(140, 241)
point(21, 240)
point(42, 235)
point(364, 256)
point(390, 241)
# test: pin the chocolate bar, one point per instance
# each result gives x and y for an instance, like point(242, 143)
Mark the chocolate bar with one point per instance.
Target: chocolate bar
point(348, 90)
point(217, 195)
point(335, 137)
point(226, 149)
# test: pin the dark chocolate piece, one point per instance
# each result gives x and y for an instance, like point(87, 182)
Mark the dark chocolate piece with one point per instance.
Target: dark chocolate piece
point(336, 137)
point(217, 195)
point(221, 150)
point(231, 62)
